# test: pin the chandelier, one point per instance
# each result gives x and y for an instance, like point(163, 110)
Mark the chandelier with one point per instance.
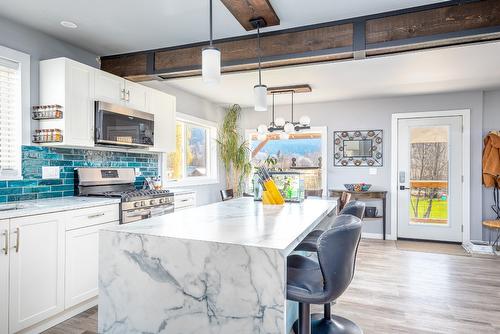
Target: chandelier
point(282, 126)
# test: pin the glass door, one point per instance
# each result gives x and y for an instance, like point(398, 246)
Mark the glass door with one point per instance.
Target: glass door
point(430, 178)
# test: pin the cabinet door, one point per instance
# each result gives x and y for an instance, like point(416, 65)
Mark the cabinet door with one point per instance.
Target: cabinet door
point(4, 276)
point(36, 269)
point(162, 106)
point(79, 111)
point(109, 88)
point(136, 95)
point(82, 257)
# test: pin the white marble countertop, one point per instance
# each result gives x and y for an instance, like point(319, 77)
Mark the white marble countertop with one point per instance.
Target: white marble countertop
point(240, 221)
point(49, 205)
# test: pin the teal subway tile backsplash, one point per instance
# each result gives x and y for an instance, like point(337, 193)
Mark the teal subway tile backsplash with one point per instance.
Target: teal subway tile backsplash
point(34, 157)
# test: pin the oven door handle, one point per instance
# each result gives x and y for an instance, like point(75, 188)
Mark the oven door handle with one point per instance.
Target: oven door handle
point(139, 214)
point(162, 210)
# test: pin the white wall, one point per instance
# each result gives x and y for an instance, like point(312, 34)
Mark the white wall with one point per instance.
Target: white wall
point(201, 108)
point(491, 121)
point(376, 114)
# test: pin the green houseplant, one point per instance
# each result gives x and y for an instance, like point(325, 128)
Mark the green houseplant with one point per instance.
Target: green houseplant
point(233, 150)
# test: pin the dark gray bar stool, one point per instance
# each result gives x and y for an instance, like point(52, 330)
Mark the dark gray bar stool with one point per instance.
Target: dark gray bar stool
point(355, 208)
point(323, 281)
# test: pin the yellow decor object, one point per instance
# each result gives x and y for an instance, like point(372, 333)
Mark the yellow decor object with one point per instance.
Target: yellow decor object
point(273, 193)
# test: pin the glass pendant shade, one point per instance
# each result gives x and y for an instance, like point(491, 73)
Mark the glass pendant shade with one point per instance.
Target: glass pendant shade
point(305, 120)
point(262, 129)
point(210, 65)
point(289, 128)
point(280, 121)
point(260, 96)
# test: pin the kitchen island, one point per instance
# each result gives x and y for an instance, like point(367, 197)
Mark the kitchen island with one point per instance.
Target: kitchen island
point(219, 268)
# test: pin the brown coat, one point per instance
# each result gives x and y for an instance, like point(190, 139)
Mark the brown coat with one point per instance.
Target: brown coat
point(491, 160)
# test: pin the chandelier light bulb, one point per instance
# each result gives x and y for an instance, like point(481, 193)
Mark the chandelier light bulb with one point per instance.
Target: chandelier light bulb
point(305, 120)
point(289, 127)
point(262, 129)
point(280, 121)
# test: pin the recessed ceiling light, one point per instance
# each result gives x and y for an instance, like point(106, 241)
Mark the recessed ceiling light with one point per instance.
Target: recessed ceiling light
point(69, 24)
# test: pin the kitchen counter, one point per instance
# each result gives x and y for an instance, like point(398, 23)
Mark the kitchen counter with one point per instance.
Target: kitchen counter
point(219, 268)
point(50, 205)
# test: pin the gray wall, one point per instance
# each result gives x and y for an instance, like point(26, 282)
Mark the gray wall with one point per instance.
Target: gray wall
point(491, 121)
point(40, 47)
point(376, 114)
point(198, 107)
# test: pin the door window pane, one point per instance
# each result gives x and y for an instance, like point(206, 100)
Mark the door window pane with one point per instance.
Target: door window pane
point(429, 175)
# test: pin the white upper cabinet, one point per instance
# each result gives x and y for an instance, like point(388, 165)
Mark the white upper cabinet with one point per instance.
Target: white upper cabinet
point(76, 87)
point(71, 85)
point(109, 88)
point(4, 276)
point(163, 107)
point(36, 269)
point(136, 96)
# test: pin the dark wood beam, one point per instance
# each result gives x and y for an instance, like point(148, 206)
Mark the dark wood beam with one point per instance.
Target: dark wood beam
point(288, 89)
point(244, 11)
point(438, 25)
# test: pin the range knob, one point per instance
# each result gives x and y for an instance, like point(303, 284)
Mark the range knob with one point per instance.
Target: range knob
point(137, 204)
point(143, 203)
point(152, 202)
point(162, 200)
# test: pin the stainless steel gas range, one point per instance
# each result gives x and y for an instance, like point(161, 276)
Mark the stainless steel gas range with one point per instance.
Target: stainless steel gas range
point(119, 182)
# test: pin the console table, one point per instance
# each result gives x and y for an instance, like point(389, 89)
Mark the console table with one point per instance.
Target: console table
point(366, 195)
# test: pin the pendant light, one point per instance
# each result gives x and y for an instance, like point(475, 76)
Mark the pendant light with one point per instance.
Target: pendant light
point(260, 90)
point(211, 59)
point(284, 128)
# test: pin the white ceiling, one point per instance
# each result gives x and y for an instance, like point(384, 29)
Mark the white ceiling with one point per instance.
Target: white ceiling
point(118, 26)
point(441, 70)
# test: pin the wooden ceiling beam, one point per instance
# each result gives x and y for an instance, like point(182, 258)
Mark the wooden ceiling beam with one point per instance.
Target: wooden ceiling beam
point(431, 26)
point(244, 11)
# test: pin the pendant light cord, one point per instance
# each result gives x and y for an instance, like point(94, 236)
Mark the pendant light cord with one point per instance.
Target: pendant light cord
point(258, 52)
point(292, 106)
point(211, 29)
point(273, 112)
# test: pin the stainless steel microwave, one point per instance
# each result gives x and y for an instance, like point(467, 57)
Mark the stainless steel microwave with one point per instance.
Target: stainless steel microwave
point(121, 126)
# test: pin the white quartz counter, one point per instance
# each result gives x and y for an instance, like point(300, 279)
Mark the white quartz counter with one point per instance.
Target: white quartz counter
point(241, 221)
point(41, 206)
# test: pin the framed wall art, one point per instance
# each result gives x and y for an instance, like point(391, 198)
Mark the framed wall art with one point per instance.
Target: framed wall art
point(358, 148)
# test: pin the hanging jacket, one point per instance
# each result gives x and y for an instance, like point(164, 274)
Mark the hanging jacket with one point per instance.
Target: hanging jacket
point(491, 161)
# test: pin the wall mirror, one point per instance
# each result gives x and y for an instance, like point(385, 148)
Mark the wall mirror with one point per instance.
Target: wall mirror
point(358, 148)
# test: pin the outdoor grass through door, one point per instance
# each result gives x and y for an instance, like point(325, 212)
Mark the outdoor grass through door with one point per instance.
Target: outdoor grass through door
point(430, 178)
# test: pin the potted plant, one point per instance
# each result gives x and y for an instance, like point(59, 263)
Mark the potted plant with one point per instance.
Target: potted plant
point(233, 150)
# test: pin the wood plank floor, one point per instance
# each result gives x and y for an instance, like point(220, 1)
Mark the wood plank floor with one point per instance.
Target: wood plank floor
point(402, 292)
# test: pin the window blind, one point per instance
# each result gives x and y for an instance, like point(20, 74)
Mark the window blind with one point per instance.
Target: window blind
point(10, 112)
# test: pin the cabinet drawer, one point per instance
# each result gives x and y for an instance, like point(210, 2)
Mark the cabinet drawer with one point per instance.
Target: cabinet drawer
point(184, 201)
point(92, 216)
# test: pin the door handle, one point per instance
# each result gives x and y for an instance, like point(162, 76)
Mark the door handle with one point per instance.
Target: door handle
point(96, 215)
point(122, 94)
point(6, 248)
point(17, 232)
point(404, 188)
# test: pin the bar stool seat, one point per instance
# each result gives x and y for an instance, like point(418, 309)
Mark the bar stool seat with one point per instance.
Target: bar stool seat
point(323, 281)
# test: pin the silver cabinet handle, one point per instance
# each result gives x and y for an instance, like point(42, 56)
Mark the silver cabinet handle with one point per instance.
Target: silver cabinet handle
point(18, 233)
point(96, 215)
point(122, 94)
point(127, 96)
point(6, 248)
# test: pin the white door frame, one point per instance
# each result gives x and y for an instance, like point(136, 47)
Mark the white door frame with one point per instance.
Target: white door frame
point(465, 113)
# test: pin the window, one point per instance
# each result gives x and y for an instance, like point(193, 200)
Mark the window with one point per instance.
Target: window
point(303, 152)
point(14, 98)
point(194, 161)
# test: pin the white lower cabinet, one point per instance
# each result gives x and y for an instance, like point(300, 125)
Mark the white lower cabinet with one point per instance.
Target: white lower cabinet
point(4, 276)
point(184, 201)
point(36, 269)
point(82, 255)
point(49, 266)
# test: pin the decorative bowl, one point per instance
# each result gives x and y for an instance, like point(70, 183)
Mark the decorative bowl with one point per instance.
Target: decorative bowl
point(357, 187)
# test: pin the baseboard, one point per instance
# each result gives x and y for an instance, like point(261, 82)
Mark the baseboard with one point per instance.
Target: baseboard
point(372, 236)
point(57, 319)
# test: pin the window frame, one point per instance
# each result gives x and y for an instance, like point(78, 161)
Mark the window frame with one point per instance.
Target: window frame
point(23, 126)
point(326, 160)
point(212, 165)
